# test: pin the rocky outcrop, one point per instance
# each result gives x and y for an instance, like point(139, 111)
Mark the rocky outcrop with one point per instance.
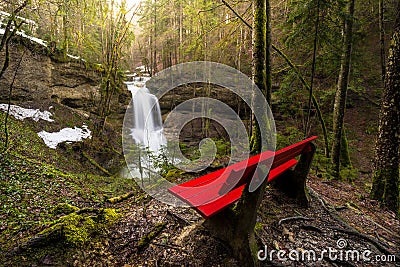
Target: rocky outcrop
point(32, 77)
point(73, 85)
point(42, 77)
point(186, 92)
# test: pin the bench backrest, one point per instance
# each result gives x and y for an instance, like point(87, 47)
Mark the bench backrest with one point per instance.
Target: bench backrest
point(243, 171)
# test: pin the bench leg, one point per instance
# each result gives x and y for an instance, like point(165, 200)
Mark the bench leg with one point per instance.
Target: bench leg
point(293, 183)
point(221, 224)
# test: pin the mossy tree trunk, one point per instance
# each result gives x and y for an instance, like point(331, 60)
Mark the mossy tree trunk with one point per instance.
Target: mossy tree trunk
point(345, 160)
point(237, 227)
point(115, 37)
point(341, 92)
point(382, 38)
point(259, 60)
point(268, 51)
point(387, 159)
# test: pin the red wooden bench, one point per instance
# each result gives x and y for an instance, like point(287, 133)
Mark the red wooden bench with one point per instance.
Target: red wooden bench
point(213, 192)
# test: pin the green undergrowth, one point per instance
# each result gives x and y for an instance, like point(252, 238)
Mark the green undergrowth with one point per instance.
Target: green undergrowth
point(35, 194)
point(192, 152)
point(321, 165)
point(24, 139)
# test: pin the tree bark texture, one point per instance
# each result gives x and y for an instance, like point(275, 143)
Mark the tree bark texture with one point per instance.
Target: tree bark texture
point(259, 60)
point(386, 165)
point(382, 38)
point(341, 92)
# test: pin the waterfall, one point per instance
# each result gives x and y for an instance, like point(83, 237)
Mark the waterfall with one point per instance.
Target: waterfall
point(147, 126)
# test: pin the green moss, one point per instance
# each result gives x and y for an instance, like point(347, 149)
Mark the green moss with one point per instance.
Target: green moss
point(110, 215)
point(64, 208)
point(76, 229)
point(258, 226)
point(344, 152)
point(174, 173)
point(378, 187)
point(349, 174)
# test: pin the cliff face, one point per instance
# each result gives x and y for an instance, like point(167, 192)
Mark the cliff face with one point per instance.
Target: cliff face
point(40, 77)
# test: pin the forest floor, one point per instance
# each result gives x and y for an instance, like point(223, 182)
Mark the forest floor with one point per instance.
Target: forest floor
point(141, 231)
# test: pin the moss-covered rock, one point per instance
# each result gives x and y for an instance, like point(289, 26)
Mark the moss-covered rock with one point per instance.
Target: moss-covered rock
point(64, 208)
point(76, 228)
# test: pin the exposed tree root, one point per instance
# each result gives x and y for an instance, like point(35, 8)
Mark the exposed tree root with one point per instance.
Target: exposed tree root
point(379, 245)
point(349, 230)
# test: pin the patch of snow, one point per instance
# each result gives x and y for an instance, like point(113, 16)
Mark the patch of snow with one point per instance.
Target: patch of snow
point(72, 56)
point(23, 34)
point(75, 57)
point(21, 113)
point(7, 15)
point(67, 134)
point(141, 69)
point(33, 39)
point(39, 41)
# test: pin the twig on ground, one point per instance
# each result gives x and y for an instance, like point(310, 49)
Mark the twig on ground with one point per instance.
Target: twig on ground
point(168, 246)
point(339, 208)
point(178, 218)
point(295, 218)
point(121, 198)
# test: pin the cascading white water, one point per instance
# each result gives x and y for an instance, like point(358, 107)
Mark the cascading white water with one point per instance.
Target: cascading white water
point(147, 127)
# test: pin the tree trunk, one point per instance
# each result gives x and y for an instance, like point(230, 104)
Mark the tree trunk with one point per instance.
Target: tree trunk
point(386, 165)
point(154, 67)
point(268, 50)
point(382, 39)
point(341, 92)
point(315, 43)
point(237, 228)
point(259, 60)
